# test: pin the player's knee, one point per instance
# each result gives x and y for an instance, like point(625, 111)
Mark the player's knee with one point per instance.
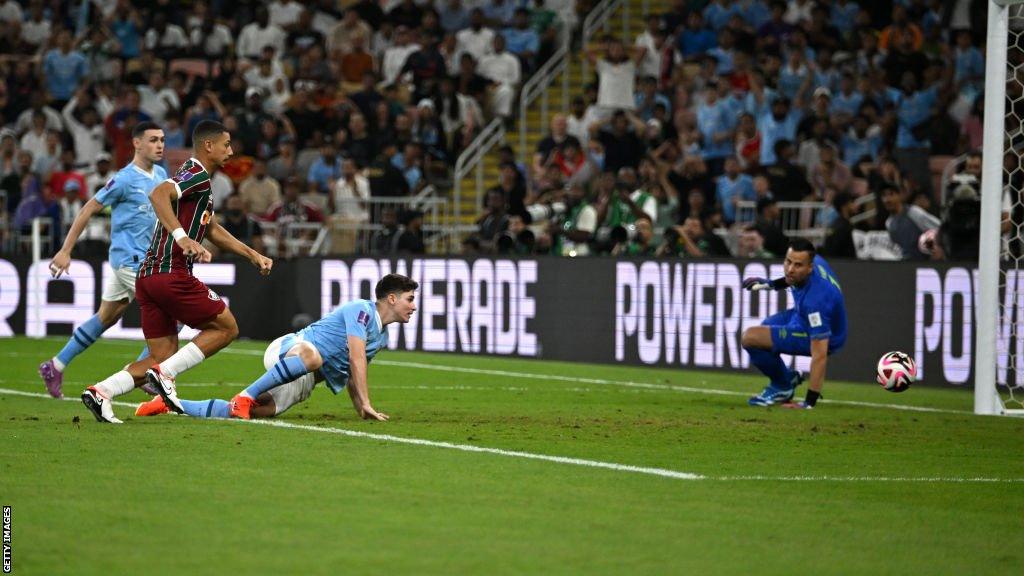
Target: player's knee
point(750, 339)
point(310, 357)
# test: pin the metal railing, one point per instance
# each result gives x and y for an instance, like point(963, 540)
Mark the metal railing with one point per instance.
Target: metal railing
point(472, 159)
point(799, 219)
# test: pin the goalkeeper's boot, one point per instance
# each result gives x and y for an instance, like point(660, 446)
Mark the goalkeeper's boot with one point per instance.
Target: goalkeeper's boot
point(773, 395)
point(99, 406)
point(152, 408)
point(53, 378)
point(240, 407)
point(165, 388)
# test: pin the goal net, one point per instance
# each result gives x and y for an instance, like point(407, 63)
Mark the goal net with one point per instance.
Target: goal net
point(999, 354)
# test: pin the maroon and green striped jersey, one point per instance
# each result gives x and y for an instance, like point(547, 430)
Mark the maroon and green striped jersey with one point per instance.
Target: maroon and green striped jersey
point(194, 209)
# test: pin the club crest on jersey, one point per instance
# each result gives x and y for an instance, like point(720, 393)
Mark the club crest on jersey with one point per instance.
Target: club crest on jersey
point(213, 295)
point(363, 318)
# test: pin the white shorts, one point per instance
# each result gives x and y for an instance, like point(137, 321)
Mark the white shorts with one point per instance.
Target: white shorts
point(121, 286)
point(291, 393)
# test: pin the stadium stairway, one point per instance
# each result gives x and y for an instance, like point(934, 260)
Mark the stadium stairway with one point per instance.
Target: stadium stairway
point(533, 124)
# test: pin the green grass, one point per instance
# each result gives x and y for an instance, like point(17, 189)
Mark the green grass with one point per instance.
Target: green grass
point(176, 495)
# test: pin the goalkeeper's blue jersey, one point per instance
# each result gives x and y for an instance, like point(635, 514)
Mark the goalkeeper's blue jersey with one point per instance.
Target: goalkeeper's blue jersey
point(330, 334)
point(819, 305)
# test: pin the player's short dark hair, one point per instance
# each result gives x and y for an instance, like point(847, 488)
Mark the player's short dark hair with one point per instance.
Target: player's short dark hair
point(394, 284)
point(205, 130)
point(141, 128)
point(802, 245)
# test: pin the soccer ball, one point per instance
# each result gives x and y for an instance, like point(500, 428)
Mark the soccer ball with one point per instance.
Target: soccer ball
point(896, 371)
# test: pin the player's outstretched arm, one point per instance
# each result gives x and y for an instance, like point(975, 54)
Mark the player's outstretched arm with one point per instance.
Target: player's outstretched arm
point(819, 358)
point(161, 198)
point(62, 260)
point(357, 387)
point(226, 241)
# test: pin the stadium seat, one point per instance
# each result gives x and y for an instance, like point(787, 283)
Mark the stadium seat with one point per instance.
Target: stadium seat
point(193, 67)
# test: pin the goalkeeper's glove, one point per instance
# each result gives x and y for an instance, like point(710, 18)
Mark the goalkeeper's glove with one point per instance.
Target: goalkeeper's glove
point(756, 284)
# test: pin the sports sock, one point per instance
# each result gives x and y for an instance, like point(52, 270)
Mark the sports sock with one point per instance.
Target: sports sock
point(188, 357)
point(83, 337)
point(771, 365)
point(291, 368)
point(117, 384)
point(143, 354)
point(206, 408)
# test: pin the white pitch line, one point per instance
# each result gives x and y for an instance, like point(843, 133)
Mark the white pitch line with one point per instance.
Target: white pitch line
point(661, 472)
point(606, 382)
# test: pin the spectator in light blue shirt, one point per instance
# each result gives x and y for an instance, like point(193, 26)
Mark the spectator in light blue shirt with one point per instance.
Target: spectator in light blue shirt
point(732, 187)
point(696, 40)
point(723, 53)
point(844, 15)
point(970, 64)
point(127, 28)
point(64, 69)
point(499, 12)
point(521, 39)
point(913, 109)
point(454, 16)
point(846, 102)
point(716, 121)
point(648, 98)
point(718, 13)
point(861, 140)
point(754, 12)
point(777, 123)
point(324, 170)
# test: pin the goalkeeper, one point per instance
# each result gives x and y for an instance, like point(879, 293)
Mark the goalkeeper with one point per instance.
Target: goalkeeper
point(815, 327)
point(335, 349)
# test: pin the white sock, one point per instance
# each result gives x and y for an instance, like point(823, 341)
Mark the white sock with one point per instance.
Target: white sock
point(116, 385)
point(58, 364)
point(188, 357)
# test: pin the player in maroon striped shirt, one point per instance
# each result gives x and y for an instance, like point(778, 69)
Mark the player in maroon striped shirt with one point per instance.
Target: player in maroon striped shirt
point(167, 291)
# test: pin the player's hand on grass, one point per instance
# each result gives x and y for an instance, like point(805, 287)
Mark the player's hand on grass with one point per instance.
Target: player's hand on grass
point(368, 413)
point(60, 264)
point(756, 284)
point(263, 263)
point(194, 249)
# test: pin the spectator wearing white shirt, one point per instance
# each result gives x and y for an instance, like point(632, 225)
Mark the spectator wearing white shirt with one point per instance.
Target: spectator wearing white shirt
point(211, 39)
point(53, 119)
point(616, 76)
point(271, 81)
point(284, 14)
point(10, 11)
point(164, 39)
point(34, 140)
point(98, 177)
point(504, 69)
point(347, 203)
point(395, 56)
point(477, 40)
point(88, 134)
point(36, 30)
point(650, 41)
point(339, 37)
point(156, 99)
point(260, 34)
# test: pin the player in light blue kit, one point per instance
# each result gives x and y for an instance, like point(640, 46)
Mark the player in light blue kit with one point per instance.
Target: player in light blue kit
point(335, 349)
point(131, 228)
point(815, 327)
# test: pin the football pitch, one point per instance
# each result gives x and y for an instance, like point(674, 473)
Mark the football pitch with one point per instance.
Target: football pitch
point(498, 466)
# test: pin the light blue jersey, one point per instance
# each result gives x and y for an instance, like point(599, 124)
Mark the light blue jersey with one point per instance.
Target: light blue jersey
point(330, 334)
point(132, 218)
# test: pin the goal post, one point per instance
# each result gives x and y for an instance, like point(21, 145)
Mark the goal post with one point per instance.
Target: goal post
point(995, 360)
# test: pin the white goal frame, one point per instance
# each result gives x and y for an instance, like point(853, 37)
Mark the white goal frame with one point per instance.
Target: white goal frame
point(986, 394)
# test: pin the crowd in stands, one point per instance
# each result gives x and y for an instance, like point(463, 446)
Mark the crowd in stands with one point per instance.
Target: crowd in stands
point(729, 125)
point(693, 139)
point(331, 105)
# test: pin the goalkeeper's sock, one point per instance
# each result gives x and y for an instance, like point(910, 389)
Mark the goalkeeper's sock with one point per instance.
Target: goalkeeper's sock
point(291, 368)
point(83, 337)
point(771, 365)
point(205, 408)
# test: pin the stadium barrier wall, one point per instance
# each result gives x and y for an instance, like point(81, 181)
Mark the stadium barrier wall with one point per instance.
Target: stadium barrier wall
point(680, 313)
